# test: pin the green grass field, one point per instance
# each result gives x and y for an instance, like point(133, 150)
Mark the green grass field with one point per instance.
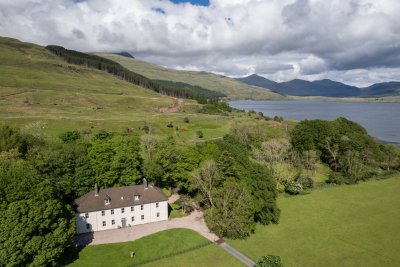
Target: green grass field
point(154, 246)
point(337, 226)
point(230, 87)
point(42, 94)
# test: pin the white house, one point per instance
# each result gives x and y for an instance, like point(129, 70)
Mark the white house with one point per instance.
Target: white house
point(112, 208)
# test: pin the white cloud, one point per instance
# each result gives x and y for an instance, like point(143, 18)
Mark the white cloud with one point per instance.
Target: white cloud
point(283, 39)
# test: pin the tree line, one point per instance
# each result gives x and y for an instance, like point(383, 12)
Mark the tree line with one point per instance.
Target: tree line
point(41, 178)
point(114, 68)
point(235, 180)
point(294, 152)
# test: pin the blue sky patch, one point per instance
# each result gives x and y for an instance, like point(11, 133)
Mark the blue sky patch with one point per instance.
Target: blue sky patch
point(158, 10)
point(193, 2)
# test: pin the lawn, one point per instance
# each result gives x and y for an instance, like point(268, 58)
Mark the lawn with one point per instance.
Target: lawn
point(337, 226)
point(187, 244)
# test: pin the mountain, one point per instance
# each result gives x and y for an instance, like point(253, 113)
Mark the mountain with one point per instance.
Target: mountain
point(382, 89)
point(325, 88)
point(259, 81)
point(124, 54)
point(230, 87)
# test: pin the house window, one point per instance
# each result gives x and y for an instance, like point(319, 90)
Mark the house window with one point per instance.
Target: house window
point(133, 219)
point(113, 222)
point(87, 226)
point(86, 215)
point(142, 217)
point(158, 214)
point(112, 212)
point(157, 205)
point(141, 207)
point(104, 223)
point(106, 201)
point(122, 210)
point(132, 208)
point(103, 213)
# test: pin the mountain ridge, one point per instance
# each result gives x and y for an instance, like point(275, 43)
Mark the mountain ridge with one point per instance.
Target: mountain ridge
point(324, 87)
point(233, 89)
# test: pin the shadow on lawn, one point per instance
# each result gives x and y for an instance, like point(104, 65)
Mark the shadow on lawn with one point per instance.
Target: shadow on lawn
point(78, 243)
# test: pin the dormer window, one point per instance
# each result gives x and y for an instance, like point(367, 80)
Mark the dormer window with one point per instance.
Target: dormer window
point(107, 200)
point(136, 197)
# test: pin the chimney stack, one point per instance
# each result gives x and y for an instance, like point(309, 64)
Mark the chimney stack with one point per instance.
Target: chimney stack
point(145, 183)
point(96, 190)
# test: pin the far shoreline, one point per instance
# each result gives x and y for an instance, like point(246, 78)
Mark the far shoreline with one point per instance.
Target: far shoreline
point(391, 99)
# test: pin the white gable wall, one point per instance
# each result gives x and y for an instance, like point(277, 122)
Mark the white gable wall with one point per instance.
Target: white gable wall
point(95, 218)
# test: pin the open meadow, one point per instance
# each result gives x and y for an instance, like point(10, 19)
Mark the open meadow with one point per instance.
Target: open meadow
point(353, 225)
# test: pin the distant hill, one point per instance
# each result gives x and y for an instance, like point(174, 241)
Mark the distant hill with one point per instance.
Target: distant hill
point(382, 89)
point(326, 87)
point(124, 54)
point(230, 87)
point(259, 81)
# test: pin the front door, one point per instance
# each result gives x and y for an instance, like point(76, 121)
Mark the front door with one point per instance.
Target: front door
point(123, 222)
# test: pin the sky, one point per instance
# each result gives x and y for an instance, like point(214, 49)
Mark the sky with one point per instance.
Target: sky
point(352, 41)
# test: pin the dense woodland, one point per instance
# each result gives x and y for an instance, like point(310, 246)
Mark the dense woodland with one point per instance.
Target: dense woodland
point(196, 89)
point(163, 87)
point(235, 179)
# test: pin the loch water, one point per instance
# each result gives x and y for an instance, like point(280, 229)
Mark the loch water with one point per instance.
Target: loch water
point(381, 120)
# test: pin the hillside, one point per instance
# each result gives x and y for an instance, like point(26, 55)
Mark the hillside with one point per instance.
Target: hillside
point(382, 89)
point(42, 93)
point(324, 88)
point(35, 82)
point(259, 81)
point(228, 86)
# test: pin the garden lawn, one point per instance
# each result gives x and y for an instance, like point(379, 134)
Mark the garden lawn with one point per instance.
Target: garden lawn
point(154, 246)
point(337, 226)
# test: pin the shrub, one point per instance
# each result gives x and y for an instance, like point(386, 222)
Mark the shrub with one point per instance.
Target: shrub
point(278, 118)
point(186, 120)
point(199, 134)
point(293, 188)
point(103, 135)
point(336, 178)
point(306, 182)
point(170, 124)
point(269, 261)
point(70, 136)
point(185, 204)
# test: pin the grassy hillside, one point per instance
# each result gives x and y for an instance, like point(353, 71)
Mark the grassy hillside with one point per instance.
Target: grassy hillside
point(41, 93)
point(340, 226)
point(228, 86)
point(185, 244)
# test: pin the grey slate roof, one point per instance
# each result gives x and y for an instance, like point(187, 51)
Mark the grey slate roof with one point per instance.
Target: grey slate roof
point(120, 197)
